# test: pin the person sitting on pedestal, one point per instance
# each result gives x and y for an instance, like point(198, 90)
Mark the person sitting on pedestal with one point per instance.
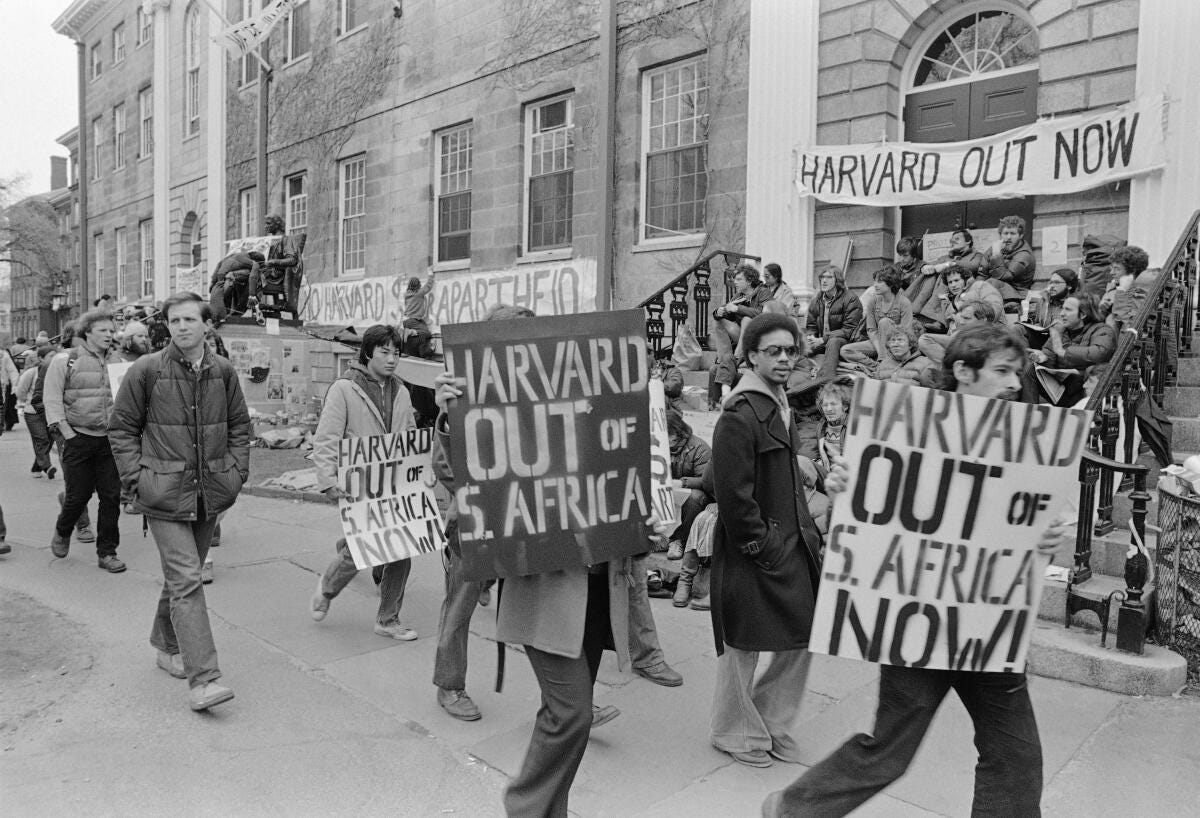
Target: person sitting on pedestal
point(231, 283)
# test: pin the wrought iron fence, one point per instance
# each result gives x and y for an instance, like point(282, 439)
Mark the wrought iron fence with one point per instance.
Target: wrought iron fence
point(1177, 575)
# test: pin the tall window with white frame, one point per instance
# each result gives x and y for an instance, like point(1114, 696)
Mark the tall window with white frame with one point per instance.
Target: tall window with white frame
point(550, 169)
point(248, 211)
point(98, 261)
point(352, 206)
point(119, 136)
point(350, 15)
point(146, 119)
point(146, 253)
point(97, 61)
point(145, 26)
point(118, 43)
point(297, 41)
point(674, 147)
point(248, 64)
point(97, 138)
point(453, 194)
point(191, 79)
point(295, 191)
point(120, 238)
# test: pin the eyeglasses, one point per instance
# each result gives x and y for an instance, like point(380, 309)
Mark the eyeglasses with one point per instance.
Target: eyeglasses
point(774, 350)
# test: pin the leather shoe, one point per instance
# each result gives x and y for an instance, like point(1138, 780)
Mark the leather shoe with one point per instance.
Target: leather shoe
point(458, 704)
point(85, 534)
point(209, 694)
point(59, 546)
point(661, 674)
point(603, 715)
point(172, 663)
point(785, 749)
point(111, 564)
point(752, 758)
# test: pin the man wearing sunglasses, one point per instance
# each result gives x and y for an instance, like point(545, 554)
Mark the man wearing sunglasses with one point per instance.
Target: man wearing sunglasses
point(764, 562)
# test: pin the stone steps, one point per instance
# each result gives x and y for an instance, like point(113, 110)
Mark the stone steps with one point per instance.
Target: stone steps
point(1076, 656)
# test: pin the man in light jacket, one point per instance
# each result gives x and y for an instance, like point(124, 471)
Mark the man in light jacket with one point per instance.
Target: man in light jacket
point(370, 399)
point(180, 432)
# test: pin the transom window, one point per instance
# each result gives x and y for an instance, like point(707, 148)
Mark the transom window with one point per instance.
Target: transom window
point(982, 43)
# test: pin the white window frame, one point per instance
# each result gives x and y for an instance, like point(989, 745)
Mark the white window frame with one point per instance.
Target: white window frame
point(118, 43)
point(191, 65)
point(97, 62)
point(119, 127)
point(295, 205)
point(696, 124)
point(454, 163)
point(97, 141)
point(561, 149)
point(352, 208)
point(290, 54)
point(146, 256)
point(146, 122)
point(145, 26)
point(343, 16)
point(248, 64)
point(121, 239)
point(247, 211)
point(98, 261)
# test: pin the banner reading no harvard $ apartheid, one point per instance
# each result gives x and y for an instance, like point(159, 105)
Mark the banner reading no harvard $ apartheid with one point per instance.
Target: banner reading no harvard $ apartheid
point(550, 442)
point(1051, 156)
point(931, 558)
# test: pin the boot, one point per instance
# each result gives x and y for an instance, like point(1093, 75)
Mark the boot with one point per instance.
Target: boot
point(700, 600)
point(687, 574)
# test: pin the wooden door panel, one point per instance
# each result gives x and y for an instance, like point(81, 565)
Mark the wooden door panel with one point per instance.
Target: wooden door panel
point(940, 115)
point(1002, 103)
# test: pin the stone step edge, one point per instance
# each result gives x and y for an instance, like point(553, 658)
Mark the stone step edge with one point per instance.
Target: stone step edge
point(1076, 656)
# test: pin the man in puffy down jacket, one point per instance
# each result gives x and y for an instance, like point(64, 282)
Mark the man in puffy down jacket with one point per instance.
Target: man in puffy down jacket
point(180, 434)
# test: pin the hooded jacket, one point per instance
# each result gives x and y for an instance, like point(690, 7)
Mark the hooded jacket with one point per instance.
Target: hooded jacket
point(766, 544)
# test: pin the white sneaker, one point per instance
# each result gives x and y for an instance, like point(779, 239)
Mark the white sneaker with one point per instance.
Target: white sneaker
point(396, 631)
point(319, 606)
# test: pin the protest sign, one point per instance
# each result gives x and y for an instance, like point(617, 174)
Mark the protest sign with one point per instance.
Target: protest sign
point(1056, 156)
point(252, 244)
point(116, 374)
point(190, 280)
point(662, 496)
point(389, 511)
point(550, 441)
point(931, 557)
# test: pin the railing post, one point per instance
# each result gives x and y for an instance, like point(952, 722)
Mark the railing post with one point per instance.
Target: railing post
point(655, 327)
point(1131, 618)
point(1082, 570)
point(702, 295)
point(1110, 421)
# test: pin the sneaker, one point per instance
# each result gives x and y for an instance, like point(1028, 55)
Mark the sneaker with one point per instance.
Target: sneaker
point(675, 550)
point(59, 546)
point(36, 475)
point(661, 674)
point(785, 749)
point(210, 694)
point(50, 472)
point(85, 534)
point(111, 564)
point(5, 548)
point(751, 758)
point(319, 605)
point(458, 704)
point(603, 715)
point(206, 573)
point(172, 663)
point(396, 631)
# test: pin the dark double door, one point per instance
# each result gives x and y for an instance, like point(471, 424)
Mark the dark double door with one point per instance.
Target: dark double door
point(956, 113)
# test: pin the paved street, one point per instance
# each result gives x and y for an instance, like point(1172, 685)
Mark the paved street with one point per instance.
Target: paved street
point(330, 719)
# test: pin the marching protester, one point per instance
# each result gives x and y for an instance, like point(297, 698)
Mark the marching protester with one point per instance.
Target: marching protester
point(369, 399)
point(35, 420)
point(135, 341)
point(834, 318)
point(180, 432)
point(79, 402)
point(765, 555)
point(986, 361)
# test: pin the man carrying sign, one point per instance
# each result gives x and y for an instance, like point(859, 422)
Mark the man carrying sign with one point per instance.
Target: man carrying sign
point(983, 360)
point(368, 400)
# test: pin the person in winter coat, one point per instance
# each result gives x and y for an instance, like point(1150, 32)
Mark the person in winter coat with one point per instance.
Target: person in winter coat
point(1012, 261)
point(904, 363)
point(833, 319)
point(929, 284)
point(1080, 341)
point(765, 555)
point(731, 318)
point(690, 457)
point(370, 399)
point(180, 434)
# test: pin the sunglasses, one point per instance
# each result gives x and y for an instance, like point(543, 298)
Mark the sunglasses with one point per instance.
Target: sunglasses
point(774, 350)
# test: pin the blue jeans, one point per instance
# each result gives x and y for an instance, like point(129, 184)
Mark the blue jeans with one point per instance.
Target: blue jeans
point(88, 466)
point(454, 626)
point(1008, 775)
point(391, 589)
point(181, 621)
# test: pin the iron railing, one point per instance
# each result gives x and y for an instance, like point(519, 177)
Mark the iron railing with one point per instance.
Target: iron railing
point(691, 294)
point(1177, 575)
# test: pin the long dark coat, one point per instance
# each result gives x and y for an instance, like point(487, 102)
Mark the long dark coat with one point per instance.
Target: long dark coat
point(766, 546)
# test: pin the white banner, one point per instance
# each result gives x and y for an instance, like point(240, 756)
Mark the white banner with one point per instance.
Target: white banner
point(1053, 156)
point(245, 36)
point(252, 244)
point(560, 288)
point(389, 509)
point(931, 559)
point(191, 280)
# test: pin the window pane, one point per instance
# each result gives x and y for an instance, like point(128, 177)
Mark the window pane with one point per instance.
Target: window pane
point(550, 207)
point(676, 187)
point(454, 227)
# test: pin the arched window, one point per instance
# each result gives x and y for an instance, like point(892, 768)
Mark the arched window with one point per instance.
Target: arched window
point(979, 44)
point(191, 62)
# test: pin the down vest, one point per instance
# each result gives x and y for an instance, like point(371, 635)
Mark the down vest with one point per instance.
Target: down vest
point(180, 436)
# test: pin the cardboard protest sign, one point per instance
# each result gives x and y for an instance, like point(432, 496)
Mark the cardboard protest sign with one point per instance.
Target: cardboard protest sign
point(391, 512)
point(662, 496)
point(931, 556)
point(550, 441)
point(116, 374)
